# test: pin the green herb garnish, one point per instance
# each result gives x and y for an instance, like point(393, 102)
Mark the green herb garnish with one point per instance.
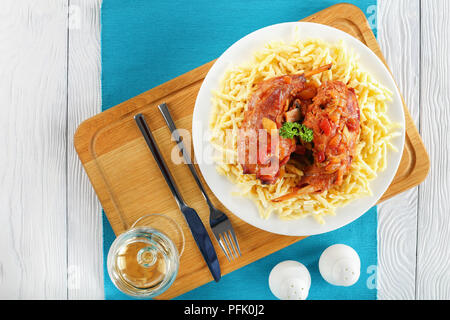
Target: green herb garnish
point(291, 129)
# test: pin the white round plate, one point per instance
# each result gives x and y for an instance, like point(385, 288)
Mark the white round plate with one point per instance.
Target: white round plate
point(244, 208)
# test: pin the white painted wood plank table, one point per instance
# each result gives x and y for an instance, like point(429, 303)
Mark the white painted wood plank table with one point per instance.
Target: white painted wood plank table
point(50, 218)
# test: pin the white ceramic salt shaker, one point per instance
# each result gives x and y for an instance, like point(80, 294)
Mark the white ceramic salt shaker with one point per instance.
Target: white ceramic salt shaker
point(290, 280)
point(340, 265)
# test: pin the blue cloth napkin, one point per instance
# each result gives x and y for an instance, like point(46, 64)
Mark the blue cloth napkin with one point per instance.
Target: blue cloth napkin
point(146, 43)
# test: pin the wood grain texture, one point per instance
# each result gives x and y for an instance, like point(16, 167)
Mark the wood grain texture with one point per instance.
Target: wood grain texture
point(399, 37)
point(433, 254)
point(121, 170)
point(84, 218)
point(33, 66)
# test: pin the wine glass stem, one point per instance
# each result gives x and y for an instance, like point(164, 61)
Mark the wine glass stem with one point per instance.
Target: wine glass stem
point(146, 257)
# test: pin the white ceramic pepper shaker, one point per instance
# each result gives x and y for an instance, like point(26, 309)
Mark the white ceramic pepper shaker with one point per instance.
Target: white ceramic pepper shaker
point(340, 265)
point(290, 280)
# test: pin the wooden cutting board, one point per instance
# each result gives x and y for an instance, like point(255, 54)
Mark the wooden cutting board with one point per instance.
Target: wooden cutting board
point(129, 184)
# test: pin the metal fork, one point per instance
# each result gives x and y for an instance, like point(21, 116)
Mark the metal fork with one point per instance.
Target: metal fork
point(219, 222)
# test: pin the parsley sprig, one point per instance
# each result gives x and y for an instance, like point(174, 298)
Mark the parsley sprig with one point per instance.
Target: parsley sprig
point(291, 129)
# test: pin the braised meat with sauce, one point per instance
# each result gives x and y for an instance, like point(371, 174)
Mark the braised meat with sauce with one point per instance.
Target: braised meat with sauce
point(261, 151)
point(334, 117)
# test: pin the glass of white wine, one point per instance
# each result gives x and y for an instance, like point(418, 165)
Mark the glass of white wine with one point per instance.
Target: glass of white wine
point(143, 262)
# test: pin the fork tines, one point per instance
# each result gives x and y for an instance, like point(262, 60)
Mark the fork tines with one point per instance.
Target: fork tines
point(229, 245)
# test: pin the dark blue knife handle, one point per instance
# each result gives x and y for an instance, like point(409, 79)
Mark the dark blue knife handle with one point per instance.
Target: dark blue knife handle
point(203, 241)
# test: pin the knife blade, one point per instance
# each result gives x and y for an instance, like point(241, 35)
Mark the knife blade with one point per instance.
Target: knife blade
point(194, 222)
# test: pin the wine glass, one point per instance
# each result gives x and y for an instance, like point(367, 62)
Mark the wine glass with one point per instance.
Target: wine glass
point(143, 261)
